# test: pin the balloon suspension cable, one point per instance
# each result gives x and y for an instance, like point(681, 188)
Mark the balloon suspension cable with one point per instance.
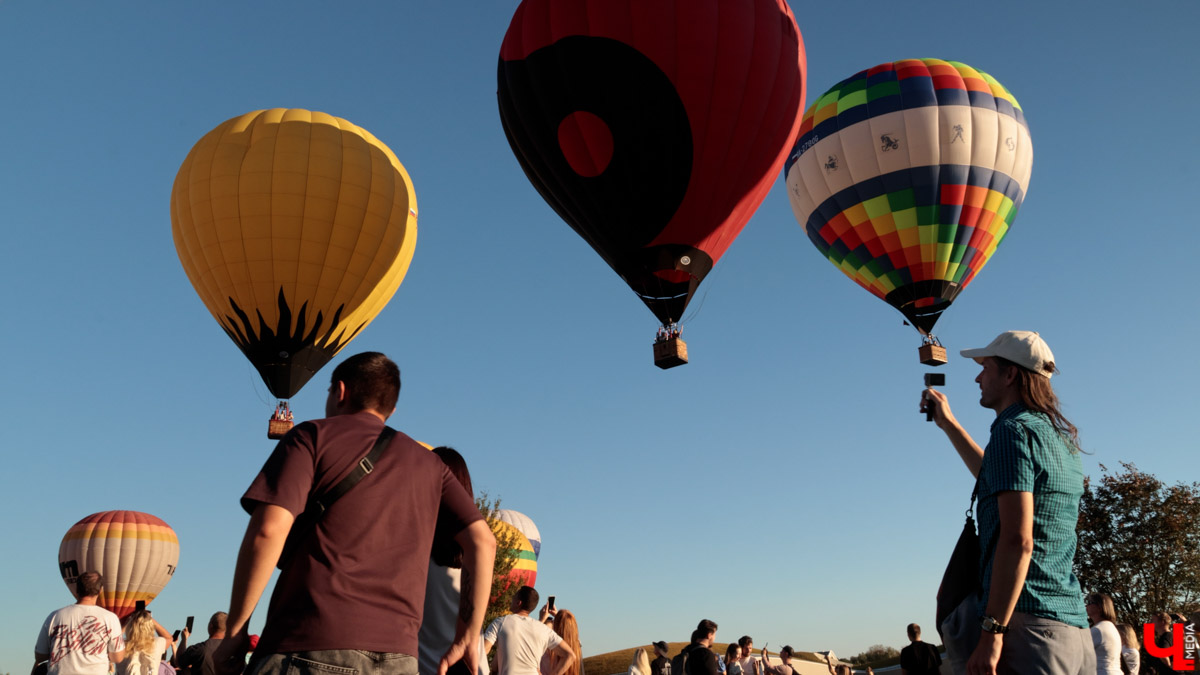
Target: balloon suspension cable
point(711, 278)
point(257, 385)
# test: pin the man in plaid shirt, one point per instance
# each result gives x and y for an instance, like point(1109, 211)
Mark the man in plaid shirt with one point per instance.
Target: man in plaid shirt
point(1030, 481)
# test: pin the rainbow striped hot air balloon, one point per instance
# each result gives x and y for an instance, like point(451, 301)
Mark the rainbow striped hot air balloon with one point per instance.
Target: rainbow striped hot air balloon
point(907, 176)
point(524, 571)
point(525, 525)
point(135, 552)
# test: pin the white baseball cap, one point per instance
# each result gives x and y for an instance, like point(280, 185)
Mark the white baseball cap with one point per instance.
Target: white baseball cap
point(1023, 347)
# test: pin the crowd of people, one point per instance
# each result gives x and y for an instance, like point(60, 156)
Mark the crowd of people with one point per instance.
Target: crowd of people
point(86, 639)
point(698, 658)
point(1118, 647)
point(357, 592)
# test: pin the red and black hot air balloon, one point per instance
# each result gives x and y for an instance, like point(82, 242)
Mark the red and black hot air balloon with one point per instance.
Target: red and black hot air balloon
point(654, 128)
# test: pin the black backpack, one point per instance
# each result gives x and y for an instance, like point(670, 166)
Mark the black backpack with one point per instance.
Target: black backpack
point(679, 663)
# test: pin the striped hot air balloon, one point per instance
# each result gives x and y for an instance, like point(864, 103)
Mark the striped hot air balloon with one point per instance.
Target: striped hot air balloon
point(907, 176)
point(135, 552)
point(524, 571)
point(526, 526)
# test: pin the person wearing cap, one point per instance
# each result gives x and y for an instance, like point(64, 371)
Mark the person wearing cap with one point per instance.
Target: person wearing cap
point(661, 665)
point(1030, 481)
point(785, 662)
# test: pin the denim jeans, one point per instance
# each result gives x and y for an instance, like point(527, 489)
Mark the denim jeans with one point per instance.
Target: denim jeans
point(333, 662)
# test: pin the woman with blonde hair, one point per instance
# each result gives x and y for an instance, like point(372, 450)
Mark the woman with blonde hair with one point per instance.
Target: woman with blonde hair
point(144, 645)
point(568, 629)
point(1131, 660)
point(640, 664)
point(1105, 638)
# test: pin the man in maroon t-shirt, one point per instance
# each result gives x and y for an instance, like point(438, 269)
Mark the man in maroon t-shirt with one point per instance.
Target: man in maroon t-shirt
point(351, 593)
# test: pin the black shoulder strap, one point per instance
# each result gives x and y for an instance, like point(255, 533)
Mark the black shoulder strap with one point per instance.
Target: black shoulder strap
point(365, 466)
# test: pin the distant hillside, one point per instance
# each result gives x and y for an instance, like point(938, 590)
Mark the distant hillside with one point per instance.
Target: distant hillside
point(618, 661)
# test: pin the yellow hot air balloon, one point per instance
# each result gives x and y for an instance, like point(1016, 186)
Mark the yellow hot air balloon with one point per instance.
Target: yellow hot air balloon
point(295, 228)
point(135, 552)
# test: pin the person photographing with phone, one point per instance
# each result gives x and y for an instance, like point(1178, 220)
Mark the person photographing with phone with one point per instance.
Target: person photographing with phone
point(1030, 481)
point(546, 615)
point(197, 659)
point(521, 641)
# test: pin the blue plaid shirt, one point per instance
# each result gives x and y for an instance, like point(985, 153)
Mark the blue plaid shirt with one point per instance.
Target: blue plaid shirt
point(1027, 454)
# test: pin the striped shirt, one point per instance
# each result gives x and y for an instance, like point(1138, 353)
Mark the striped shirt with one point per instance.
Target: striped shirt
point(1027, 454)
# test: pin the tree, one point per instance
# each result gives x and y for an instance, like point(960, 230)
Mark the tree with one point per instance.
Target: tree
point(874, 653)
point(1139, 542)
point(507, 550)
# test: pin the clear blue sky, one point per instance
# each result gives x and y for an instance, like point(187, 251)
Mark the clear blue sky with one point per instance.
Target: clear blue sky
point(781, 484)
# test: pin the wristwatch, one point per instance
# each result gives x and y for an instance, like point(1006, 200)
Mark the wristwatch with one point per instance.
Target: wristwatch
point(990, 625)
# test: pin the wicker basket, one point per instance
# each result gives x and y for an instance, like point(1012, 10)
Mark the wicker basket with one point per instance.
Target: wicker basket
point(932, 355)
point(277, 428)
point(670, 353)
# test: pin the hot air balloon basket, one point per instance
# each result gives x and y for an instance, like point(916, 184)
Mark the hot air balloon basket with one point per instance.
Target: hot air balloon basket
point(670, 353)
point(277, 428)
point(932, 355)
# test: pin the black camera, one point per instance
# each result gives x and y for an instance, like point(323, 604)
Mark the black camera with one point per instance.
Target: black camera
point(933, 380)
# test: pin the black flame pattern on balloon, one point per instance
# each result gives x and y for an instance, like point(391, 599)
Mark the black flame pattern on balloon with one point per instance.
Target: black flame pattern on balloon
point(287, 358)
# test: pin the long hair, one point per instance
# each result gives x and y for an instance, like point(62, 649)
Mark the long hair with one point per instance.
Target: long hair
point(1104, 602)
point(732, 653)
point(1129, 636)
point(140, 633)
point(568, 629)
point(1039, 396)
point(640, 664)
point(446, 552)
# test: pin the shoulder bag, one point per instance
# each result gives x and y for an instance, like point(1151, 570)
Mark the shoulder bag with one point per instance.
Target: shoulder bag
point(306, 522)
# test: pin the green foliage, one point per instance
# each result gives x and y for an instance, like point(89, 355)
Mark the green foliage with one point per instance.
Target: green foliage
point(507, 549)
point(1139, 542)
point(875, 653)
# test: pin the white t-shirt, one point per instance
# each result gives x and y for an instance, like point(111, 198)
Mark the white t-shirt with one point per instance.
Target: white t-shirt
point(1132, 659)
point(141, 663)
point(438, 622)
point(79, 638)
point(441, 613)
point(750, 665)
point(520, 643)
point(1107, 642)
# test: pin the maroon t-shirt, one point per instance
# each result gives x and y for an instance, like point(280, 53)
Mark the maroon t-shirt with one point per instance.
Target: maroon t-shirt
point(359, 581)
